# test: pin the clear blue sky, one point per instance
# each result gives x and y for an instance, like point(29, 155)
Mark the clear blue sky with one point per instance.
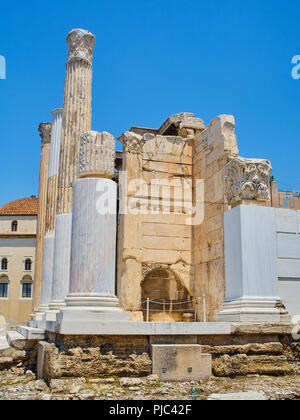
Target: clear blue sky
point(153, 58)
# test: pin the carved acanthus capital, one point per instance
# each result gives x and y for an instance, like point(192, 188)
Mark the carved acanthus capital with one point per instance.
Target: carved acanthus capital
point(96, 156)
point(45, 132)
point(132, 142)
point(81, 45)
point(247, 179)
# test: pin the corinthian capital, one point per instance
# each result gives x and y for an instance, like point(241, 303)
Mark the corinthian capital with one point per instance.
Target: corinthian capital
point(45, 132)
point(96, 156)
point(81, 45)
point(247, 179)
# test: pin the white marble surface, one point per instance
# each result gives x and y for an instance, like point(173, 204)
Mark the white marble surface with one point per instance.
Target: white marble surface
point(55, 142)
point(62, 255)
point(250, 265)
point(98, 327)
point(93, 250)
point(251, 252)
point(47, 277)
point(286, 221)
point(289, 290)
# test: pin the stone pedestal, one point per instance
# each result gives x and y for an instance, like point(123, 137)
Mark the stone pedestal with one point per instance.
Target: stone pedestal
point(251, 266)
point(180, 362)
point(252, 292)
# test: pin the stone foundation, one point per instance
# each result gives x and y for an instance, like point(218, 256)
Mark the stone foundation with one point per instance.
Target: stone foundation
point(250, 349)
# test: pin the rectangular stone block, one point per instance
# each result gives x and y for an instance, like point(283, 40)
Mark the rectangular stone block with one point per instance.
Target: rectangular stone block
point(286, 220)
point(164, 243)
point(41, 347)
point(171, 231)
point(288, 246)
point(180, 362)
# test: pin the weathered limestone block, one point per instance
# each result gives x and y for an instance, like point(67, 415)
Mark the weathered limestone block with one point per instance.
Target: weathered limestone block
point(252, 348)
point(63, 386)
point(171, 149)
point(248, 179)
point(6, 363)
point(191, 126)
point(184, 362)
point(93, 362)
point(132, 142)
point(212, 149)
point(96, 156)
point(242, 364)
point(184, 124)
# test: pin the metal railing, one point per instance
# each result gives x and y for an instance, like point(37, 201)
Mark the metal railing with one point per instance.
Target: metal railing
point(168, 307)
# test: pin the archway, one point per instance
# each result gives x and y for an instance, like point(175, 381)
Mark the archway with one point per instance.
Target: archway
point(169, 300)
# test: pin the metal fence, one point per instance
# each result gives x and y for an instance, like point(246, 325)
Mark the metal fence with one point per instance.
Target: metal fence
point(171, 306)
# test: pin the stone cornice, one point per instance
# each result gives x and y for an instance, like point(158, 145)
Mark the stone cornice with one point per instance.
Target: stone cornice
point(132, 143)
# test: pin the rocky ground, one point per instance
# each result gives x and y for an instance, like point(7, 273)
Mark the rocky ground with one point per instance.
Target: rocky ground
point(16, 384)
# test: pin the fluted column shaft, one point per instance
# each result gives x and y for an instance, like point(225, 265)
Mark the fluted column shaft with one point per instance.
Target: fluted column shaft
point(45, 133)
point(48, 255)
point(77, 115)
point(93, 249)
point(76, 120)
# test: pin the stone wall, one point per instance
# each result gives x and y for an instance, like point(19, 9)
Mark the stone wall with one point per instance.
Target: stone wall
point(288, 246)
point(212, 150)
point(98, 356)
point(151, 234)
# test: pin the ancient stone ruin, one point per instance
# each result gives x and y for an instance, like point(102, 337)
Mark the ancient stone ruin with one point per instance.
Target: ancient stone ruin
point(159, 259)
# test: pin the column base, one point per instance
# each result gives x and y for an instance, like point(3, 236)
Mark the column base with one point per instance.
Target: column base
point(57, 305)
point(87, 313)
point(96, 302)
point(251, 309)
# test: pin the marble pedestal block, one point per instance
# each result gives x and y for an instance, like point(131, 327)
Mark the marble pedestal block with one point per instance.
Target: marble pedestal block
point(62, 254)
point(252, 293)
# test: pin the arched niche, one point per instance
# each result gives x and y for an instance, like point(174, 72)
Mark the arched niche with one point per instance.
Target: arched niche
point(169, 300)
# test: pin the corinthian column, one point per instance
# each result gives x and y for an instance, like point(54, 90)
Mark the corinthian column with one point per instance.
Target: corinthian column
point(93, 252)
point(76, 120)
point(45, 133)
point(48, 255)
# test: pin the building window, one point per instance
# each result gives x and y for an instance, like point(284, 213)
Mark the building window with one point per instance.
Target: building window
point(3, 287)
point(14, 226)
point(26, 290)
point(4, 264)
point(28, 264)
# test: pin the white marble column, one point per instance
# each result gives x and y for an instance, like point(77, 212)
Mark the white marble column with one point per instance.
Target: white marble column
point(48, 255)
point(92, 293)
point(76, 120)
point(45, 133)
